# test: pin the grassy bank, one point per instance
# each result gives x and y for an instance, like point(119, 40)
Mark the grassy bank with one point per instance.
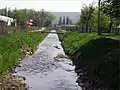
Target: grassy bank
point(15, 46)
point(97, 57)
point(71, 41)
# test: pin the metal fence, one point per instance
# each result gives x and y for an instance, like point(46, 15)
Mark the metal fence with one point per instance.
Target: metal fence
point(88, 30)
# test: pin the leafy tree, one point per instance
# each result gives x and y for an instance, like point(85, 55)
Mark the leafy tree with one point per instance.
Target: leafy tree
point(42, 14)
point(64, 20)
point(40, 18)
point(116, 7)
point(60, 21)
point(48, 20)
point(21, 17)
point(3, 11)
point(9, 13)
point(87, 15)
point(71, 22)
point(89, 18)
point(112, 9)
point(13, 13)
point(67, 20)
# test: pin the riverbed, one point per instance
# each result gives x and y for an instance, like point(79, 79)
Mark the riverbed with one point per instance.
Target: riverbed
point(44, 70)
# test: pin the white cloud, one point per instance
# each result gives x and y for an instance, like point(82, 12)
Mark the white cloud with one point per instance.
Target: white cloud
point(48, 5)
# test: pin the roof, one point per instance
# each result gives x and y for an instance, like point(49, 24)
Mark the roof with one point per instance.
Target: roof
point(5, 19)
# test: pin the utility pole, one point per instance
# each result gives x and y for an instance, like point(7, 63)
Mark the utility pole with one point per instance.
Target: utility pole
point(99, 29)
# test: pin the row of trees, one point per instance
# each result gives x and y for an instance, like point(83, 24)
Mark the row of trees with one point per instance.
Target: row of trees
point(40, 18)
point(89, 18)
point(64, 20)
point(111, 8)
point(109, 16)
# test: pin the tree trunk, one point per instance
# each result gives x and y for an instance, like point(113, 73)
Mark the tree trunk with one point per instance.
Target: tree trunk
point(110, 26)
point(87, 27)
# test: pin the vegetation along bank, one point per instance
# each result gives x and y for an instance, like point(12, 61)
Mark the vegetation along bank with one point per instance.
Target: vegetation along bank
point(95, 57)
point(13, 47)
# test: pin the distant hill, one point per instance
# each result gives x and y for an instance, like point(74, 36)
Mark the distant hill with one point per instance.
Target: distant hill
point(73, 15)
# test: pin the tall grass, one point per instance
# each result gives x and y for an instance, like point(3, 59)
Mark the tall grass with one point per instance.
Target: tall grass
point(71, 41)
point(15, 46)
point(96, 57)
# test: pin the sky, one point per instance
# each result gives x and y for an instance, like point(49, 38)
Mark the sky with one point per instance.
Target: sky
point(47, 5)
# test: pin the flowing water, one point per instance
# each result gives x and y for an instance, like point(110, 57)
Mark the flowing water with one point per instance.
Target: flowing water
point(45, 72)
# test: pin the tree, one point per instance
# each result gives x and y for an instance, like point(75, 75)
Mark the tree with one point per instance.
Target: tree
point(89, 18)
point(86, 16)
point(9, 13)
point(14, 13)
point(116, 7)
point(112, 9)
point(43, 14)
point(21, 17)
point(67, 20)
point(64, 20)
point(40, 18)
point(89, 14)
point(71, 22)
point(48, 20)
point(35, 16)
point(60, 21)
point(3, 11)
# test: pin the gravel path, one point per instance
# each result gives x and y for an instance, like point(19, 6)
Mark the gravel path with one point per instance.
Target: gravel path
point(44, 72)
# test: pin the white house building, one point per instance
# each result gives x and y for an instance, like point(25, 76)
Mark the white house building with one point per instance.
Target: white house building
point(6, 19)
point(5, 22)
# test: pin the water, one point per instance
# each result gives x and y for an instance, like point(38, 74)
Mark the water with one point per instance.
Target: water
point(43, 72)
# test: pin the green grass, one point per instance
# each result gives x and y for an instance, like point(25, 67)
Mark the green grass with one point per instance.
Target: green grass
point(71, 41)
point(98, 54)
point(14, 46)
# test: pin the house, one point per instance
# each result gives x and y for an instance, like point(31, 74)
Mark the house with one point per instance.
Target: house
point(6, 19)
point(4, 23)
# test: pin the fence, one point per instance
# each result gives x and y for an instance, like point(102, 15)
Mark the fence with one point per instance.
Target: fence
point(83, 29)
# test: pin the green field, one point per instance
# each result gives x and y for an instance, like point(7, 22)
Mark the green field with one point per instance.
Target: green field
point(15, 46)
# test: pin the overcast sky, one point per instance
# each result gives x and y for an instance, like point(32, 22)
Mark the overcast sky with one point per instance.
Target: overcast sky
point(48, 5)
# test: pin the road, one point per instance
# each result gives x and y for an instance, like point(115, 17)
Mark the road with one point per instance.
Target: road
point(45, 72)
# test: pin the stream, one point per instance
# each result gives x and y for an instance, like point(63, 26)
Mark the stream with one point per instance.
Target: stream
point(45, 72)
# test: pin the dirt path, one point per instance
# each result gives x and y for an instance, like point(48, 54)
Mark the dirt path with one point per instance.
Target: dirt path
point(43, 72)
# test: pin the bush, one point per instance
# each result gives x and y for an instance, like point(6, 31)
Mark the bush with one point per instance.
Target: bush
point(69, 28)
